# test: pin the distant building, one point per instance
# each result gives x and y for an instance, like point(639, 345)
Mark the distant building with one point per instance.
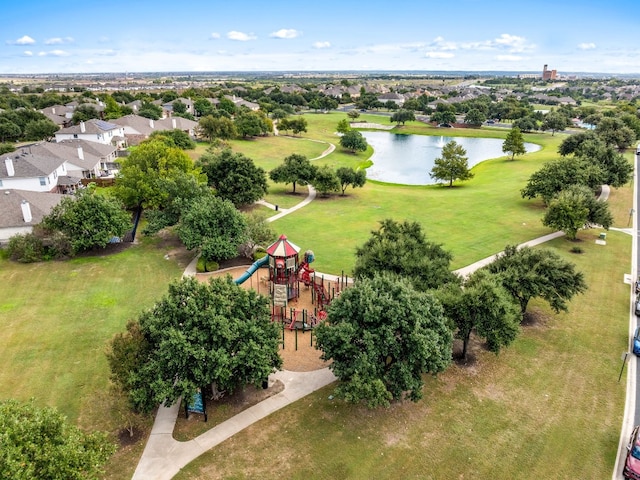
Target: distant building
point(548, 74)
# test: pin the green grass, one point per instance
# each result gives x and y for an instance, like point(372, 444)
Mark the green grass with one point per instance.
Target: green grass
point(537, 410)
point(57, 318)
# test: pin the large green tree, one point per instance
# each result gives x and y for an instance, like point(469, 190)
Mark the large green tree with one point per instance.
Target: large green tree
point(529, 273)
point(40, 130)
point(555, 121)
point(234, 176)
point(402, 249)
point(402, 116)
point(514, 143)
point(576, 207)
point(212, 226)
point(221, 127)
point(39, 443)
point(349, 176)
point(296, 169)
point(482, 305)
point(475, 117)
point(198, 335)
point(326, 180)
point(615, 132)
point(88, 220)
point(381, 337)
point(140, 181)
point(452, 164)
point(353, 141)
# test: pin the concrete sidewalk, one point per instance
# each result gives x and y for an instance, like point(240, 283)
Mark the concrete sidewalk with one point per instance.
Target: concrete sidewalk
point(163, 457)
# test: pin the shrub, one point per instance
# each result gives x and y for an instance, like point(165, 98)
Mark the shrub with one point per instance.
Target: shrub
point(259, 253)
point(25, 248)
point(206, 265)
point(576, 250)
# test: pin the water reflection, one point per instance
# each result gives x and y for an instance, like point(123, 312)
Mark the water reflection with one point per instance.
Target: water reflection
point(408, 159)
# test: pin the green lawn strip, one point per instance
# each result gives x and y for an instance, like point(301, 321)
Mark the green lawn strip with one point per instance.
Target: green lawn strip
point(536, 410)
point(57, 318)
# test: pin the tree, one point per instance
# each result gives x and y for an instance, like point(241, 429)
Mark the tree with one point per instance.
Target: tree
point(556, 175)
point(555, 121)
point(529, 273)
point(483, 306)
point(526, 124)
point(353, 114)
point(452, 165)
point(176, 137)
point(40, 443)
point(381, 336)
point(214, 227)
point(221, 127)
point(576, 207)
point(326, 180)
point(84, 112)
point(446, 116)
point(234, 176)
point(9, 131)
point(295, 169)
point(258, 233)
point(298, 125)
point(613, 131)
point(475, 117)
point(150, 110)
point(197, 335)
point(354, 141)
point(140, 180)
point(88, 220)
point(349, 176)
point(402, 116)
point(40, 130)
point(402, 249)
point(203, 107)
point(572, 143)
point(514, 143)
point(252, 124)
point(343, 126)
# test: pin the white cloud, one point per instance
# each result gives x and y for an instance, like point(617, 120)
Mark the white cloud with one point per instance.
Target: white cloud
point(25, 40)
point(513, 42)
point(439, 55)
point(509, 58)
point(54, 53)
point(215, 35)
point(240, 36)
point(58, 41)
point(321, 45)
point(586, 46)
point(287, 33)
point(28, 53)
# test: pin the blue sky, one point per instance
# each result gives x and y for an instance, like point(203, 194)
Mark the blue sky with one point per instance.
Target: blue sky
point(44, 36)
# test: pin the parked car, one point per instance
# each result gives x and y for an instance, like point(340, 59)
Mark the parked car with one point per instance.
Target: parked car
point(638, 305)
point(636, 341)
point(445, 125)
point(631, 470)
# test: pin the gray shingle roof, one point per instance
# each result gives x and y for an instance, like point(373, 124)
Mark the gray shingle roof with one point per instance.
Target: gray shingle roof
point(29, 165)
point(11, 211)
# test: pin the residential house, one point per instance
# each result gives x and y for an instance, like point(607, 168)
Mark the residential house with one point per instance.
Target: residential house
point(167, 107)
point(93, 131)
point(396, 98)
point(20, 210)
point(137, 128)
point(107, 154)
point(78, 163)
point(36, 171)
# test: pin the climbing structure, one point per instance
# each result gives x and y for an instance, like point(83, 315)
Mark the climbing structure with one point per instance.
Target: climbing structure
point(283, 271)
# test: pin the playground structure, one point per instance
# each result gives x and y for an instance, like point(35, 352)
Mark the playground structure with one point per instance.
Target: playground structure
point(286, 276)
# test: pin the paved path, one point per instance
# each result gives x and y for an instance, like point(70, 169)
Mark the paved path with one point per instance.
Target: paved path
point(163, 456)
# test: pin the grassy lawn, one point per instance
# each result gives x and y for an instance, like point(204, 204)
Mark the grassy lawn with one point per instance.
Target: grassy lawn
point(539, 409)
point(57, 318)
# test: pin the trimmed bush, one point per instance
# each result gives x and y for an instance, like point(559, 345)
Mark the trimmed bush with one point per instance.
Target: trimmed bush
point(25, 248)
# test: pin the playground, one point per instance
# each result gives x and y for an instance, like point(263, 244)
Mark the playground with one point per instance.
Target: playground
point(298, 295)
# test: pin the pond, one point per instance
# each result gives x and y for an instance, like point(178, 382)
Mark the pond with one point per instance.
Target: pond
point(408, 159)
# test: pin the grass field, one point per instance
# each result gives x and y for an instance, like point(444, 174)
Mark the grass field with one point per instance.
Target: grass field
point(547, 407)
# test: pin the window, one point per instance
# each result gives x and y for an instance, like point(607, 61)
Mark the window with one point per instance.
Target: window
point(55, 174)
point(0, 183)
point(75, 135)
point(42, 181)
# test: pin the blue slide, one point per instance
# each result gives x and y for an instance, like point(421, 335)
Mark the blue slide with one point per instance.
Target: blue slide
point(254, 266)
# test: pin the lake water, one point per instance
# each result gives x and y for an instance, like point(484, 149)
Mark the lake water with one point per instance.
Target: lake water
point(408, 159)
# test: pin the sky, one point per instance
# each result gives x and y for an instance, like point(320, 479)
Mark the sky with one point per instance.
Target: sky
point(45, 36)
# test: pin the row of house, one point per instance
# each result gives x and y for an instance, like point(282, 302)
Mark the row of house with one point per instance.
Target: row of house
point(34, 178)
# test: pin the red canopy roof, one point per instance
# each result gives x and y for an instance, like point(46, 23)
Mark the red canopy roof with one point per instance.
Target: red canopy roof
point(283, 248)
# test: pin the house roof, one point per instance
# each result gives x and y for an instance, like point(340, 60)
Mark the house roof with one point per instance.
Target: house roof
point(180, 124)
point(140, 124)
point(101, 150)
point(67, 153)
point(91, 126)
point(29, 165)
point(11, 211)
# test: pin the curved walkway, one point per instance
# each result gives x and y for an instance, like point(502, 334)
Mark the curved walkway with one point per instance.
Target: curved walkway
point(163, 456)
